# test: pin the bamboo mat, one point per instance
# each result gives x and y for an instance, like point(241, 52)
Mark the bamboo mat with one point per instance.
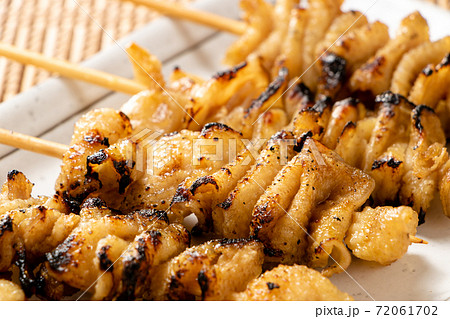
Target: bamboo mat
point(61, 29)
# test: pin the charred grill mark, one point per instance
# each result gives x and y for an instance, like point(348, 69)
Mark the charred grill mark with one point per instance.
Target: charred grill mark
point(417, 114)
point(392, 163)
point(26, 276)
point(389, 99)
point(350, 101)
point(226, 204)
point(133, 275)
point(131, 271)
point(302, 91)
point(272, 252)
point(60, 257)
point(272, 285)
point(141, 247)
point(204, 180)
point(226, 170)
point(203, 282)
point(321, 104)
point(174, 282)
point(181, 195)
point(234, 241)
point(177, 290)
point(105, 263)
point(428, 70)
point(319, 249)
point(97, 158)
point(229, 74)
point(155, 237)
point(73, 203)
point(349, 125)
point(125, 118)
point(75, 185)
point(154, 214)
point(333, 71)
point(281, 135)
point(97, 139)
point(12, 174)
point(422, 214)
point(214, 127)
point(94, 203)
point(298, 147)
point(444, 62)
point(122, 168)
point(261, 216)
point(272, 89)
point(6, 225)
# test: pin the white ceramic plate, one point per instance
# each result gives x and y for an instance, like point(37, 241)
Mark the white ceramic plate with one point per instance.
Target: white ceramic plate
point(50, 110)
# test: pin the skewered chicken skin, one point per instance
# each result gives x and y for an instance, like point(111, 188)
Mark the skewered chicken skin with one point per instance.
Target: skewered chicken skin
point(295, 283)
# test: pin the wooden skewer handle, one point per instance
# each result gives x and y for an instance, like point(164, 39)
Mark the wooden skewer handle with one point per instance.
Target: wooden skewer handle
point(205, 18)
point(71, 70)
point(32, 144)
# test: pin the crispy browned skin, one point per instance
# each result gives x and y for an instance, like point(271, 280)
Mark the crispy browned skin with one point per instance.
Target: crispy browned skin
point(343, 23)
point(343, 112)
point(291, 48)
point(296, 282)
point(382, 234)
point(298, 98)
point(316, 192)
point(432, 84)
point(231, 217)
point(402, 149)
point(375, 74)
point(33, 225)
point(258, 17)
point(426, 154)
point(248, 120)
point(201, 195)
point(113, 255)
point(211, 271)
point(96, 130)
point(321, 14)
point(16, 193)
point(358, 45)
point(414, 61)
point(179, 156)
point(156, 111)
point(145, 171)
point(312, 119)
point(218, 97)
point(270, 48)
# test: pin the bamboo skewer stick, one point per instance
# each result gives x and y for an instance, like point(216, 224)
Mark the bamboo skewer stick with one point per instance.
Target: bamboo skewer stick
point(205, 18)
point(71, 70)
point(417, 240)
point(33, 144)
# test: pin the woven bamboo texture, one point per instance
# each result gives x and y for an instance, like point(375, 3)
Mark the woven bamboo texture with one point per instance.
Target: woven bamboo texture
point(63, 29)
